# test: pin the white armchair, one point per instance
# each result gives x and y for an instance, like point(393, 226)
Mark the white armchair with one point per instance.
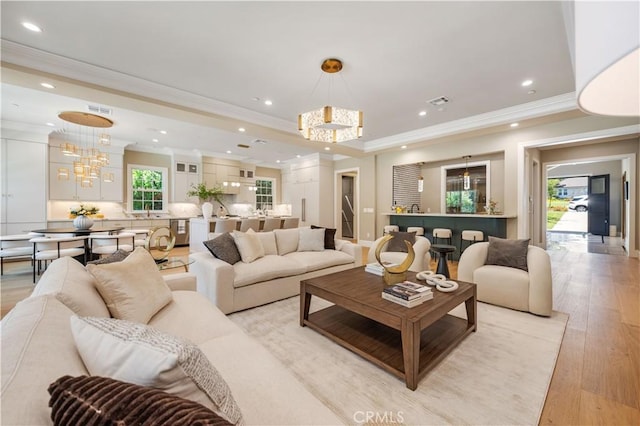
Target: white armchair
point(421, 248)
point(513, 288)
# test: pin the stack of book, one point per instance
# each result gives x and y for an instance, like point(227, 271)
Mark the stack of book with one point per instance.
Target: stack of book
point(407, 294)
point(376, 268)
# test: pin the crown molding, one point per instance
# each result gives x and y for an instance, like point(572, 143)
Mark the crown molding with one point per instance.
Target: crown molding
point(542, 107)
point(40, 60)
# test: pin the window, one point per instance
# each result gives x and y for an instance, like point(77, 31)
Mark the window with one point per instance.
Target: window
point(467, 201)
point(147, 189)
point(265, 193)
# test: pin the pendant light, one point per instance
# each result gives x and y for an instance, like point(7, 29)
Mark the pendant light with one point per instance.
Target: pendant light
point(466, 179)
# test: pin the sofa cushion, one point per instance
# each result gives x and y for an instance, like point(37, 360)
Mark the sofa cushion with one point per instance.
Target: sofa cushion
point(72, 285)
point(140, 354)
point(329, 237)
point(266, 268)
point(118, 256)
point(314, 260)
point(94, 401)
point(37, 348)
point(224, 248)
point(397, 242)
point(311, 239)
point(132, 289)
point(287, 240)
point(268, 241)
point(510, 253)
point(249, 245)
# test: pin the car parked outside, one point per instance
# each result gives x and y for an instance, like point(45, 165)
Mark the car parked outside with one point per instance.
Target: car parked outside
point(579, 203)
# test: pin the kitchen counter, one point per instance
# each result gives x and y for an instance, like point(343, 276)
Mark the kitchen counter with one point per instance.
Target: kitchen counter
point(476, 215)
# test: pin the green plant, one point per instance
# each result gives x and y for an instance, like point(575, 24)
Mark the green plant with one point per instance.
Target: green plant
point(207, 194)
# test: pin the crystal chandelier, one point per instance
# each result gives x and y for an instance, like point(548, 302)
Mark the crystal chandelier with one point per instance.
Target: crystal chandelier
point(331, 124)
point(88, 160)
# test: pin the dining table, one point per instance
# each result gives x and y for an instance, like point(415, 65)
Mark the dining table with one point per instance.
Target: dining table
point(78, 232)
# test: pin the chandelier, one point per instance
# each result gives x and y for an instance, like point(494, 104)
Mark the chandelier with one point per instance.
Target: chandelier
point(88, 160)
point(331, 124)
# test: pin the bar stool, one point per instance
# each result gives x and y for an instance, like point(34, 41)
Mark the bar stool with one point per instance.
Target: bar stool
point(250, 223)
point(419, 230)
point(225, 225)
point(470, 236)
point(442, 234)
point(271, 223)
point(390, 228)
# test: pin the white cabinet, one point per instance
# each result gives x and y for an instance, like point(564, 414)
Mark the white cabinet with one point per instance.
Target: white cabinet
point(307, 187)
point(217, 171)
point(185, 175)
point(69, 189)
point(24, 183)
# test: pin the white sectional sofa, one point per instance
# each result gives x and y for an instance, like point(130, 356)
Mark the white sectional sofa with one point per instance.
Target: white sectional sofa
point(272, 277)
point(38, 348)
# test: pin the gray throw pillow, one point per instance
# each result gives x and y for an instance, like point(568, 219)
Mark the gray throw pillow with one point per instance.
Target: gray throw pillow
point(511, 253)
point(397, 242)
point(224, 248)
point(329, 237)
point(117, 256)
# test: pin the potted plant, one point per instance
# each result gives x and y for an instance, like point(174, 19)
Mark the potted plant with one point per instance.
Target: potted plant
point(206, 195)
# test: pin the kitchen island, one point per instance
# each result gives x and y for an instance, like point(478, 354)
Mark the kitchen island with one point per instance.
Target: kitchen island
point(496, 225)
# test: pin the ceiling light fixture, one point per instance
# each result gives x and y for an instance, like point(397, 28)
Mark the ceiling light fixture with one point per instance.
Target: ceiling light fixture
point(514, 124)
point(331, 124)
point(527, 83)
point(48, 85)
point(268, 102)
point(466, 178)
point(422, 113)
point(164, 132)
point(241, 129)
point(32, 27)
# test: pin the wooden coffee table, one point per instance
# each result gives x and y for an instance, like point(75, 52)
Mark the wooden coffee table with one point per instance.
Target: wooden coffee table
point(407, 342)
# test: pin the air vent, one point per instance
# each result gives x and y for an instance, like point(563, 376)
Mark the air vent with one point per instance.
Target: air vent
point(260, 141)
point(438, 101)
point(241, 145)
point(97, 109)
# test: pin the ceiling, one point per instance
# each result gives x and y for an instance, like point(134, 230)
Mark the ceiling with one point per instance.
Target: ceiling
point(202, 70)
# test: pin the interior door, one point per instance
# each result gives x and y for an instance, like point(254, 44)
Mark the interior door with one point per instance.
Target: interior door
point(347, 213)
point(598, 205)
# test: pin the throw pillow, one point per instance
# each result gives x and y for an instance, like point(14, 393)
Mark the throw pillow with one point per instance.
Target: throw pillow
point(287, 240)
point(224, 248)
point(268, 241)
point(132, 289)
point(249, 245)
point(397, 242)
point(97, 401)
point(140, 354)
point(511, 253)
point(311, 239)
point(118, 256)
point(329, 237)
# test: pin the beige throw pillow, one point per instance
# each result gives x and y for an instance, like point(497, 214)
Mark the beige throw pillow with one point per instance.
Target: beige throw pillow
point(140, 354)
point(249, 245)
point(287, 240)
point(311, 239)
point(132, 289)
point(268, 241)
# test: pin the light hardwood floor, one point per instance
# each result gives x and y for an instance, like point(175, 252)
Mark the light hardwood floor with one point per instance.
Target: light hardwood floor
point(597, 376)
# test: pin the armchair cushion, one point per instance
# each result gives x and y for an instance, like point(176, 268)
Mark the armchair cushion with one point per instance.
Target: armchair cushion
point(510, 253)
point(397, 242)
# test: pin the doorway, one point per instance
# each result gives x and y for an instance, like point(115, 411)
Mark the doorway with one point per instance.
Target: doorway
point(346, 219)
point(347, 210)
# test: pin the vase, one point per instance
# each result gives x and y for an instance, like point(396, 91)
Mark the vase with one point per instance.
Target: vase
point(207, 210)
point(82, 222)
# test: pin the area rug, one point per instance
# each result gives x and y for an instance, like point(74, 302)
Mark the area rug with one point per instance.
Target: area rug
point(499, 375)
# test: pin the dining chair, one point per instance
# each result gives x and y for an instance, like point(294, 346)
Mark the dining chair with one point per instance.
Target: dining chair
point(15, 246)
point(104, 244)
point(290, 222)
point(271, 223)
point(140, 236)
point(47, 248)
point(225, 225)
point(250, 223)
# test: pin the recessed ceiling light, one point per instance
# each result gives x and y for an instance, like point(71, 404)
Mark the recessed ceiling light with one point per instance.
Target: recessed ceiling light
point(403, 147)
point(48, 85)
point(298, 156)
point(422, 113)
point(228, 151)
point(241, 129)
point(515, 124)
point(32, 27)
point(154, 140)
point(164, 132)
point(268, 102)
point(527, 83)
point(51, 124)
point(277, 161)
point(326, 148)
